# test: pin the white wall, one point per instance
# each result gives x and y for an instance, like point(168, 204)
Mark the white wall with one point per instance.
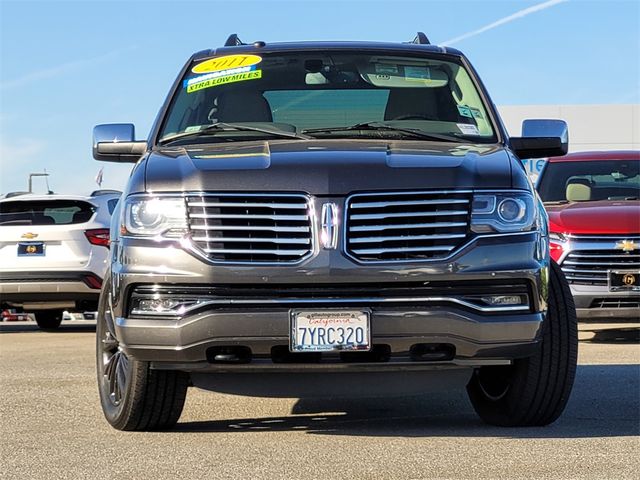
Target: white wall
point(591, 127)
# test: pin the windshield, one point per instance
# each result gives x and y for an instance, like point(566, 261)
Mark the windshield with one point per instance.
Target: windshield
point(590, 181)
point(316, 93)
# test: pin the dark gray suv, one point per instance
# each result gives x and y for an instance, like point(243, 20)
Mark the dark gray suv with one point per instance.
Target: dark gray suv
point(312, 219)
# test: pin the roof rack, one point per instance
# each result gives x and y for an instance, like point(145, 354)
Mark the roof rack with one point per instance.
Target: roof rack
point(15, 194)
point(421, 39)
point(233, 41)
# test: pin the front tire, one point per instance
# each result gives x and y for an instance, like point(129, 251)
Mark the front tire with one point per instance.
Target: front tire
point(533, 391)
point(49, 319)
point(133, 396)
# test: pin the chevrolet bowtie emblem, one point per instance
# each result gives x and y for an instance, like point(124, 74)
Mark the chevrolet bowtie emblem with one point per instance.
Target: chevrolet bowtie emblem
point(626, 245)
point(29, 235)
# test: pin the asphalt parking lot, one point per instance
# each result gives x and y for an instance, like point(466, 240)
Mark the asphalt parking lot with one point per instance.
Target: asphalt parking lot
point(52, 425)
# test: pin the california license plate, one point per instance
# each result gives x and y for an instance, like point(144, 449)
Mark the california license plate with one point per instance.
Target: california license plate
point(624, 280)
point(31, 249)
point(329, 330)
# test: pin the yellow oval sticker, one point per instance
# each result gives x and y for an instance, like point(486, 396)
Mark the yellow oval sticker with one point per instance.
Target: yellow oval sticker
point(225, 63)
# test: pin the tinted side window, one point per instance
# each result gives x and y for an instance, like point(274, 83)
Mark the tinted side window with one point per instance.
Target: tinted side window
point(51, 212)
point(111, 205)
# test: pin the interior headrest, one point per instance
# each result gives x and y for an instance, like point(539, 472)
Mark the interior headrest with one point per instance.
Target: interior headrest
point(578, 190)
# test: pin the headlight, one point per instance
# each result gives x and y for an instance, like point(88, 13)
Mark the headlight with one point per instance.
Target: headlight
point(557, 237)
point(151, 216)
point(557, 244)
point(503, 212)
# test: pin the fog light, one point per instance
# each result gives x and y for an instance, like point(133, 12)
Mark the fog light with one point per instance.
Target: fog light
point(505, 300)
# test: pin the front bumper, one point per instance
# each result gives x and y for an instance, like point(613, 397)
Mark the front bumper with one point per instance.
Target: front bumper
point(188, 343)
point(598, 303)
point(49, 289)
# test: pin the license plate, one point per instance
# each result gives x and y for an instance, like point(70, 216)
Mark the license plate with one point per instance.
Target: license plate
point(624, 280)
point(31, 249)
point(329, 330)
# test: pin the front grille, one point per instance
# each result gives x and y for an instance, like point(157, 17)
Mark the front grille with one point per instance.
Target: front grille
point(251, 227)
point(406, 226)
point(593, 256)
point(612, 302)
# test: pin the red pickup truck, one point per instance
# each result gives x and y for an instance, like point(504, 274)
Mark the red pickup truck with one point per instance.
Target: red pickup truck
point(593, 202)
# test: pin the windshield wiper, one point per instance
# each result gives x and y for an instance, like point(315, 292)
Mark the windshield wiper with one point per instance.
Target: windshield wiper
point(378, 126)
point(225, 127)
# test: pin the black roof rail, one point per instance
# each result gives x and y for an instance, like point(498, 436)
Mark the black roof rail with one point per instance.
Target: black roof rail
point(104, 191)
point(233, 41)
point(15, 194)
point(421, 39)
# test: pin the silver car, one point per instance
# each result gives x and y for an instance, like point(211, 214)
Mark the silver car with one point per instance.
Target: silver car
point(53, 252)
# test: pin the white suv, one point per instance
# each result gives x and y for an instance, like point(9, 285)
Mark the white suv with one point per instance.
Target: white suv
point(54, 251)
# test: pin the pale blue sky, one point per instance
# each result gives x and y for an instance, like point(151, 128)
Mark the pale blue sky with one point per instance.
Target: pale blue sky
point(65, 66)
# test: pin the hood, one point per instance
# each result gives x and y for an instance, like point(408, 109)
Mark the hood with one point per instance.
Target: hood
point(327, 167)
point(600, 217)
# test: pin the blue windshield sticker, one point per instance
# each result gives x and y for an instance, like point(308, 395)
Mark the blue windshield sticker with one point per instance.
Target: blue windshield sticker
point(476, 112)
point(465, 111)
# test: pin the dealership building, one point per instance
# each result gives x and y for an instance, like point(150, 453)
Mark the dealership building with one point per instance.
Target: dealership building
point(591, 127)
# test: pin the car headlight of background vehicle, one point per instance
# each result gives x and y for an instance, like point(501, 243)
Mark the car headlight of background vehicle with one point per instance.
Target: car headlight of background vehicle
point(557, 244)
point(503, 212)
point(151, 216)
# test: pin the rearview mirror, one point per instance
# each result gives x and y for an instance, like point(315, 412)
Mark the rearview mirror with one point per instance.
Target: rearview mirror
point(115, 142)
point(541, 138)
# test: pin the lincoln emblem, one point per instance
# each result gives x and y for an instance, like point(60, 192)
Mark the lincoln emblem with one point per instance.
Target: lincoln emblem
point(329, 231)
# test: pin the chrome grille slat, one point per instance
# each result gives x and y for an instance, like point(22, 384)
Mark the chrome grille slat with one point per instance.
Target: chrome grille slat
point(407, 238)
point(260, 229)
point(380, 216)
point(592, 256)
point(249, 217)
point(252, 252)
point(301, 241)
point(406, 226)
point(374, 228)
point(567, 270)
point(404, 203)
point(604, 264)
point(401, 249)
point(249, 205)
point(582, 277)
point(251, 228)
point(604, 255)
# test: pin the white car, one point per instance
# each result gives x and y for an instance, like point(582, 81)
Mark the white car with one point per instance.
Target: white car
point(54, 251)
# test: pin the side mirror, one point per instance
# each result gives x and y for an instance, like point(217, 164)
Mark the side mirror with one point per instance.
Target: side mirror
point(541, 138)
point(115, 142)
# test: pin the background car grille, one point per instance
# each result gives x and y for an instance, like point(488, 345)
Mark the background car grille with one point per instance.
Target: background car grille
point(590, 266)
point(406, 225)
point(614, 302)
point(251, 228)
